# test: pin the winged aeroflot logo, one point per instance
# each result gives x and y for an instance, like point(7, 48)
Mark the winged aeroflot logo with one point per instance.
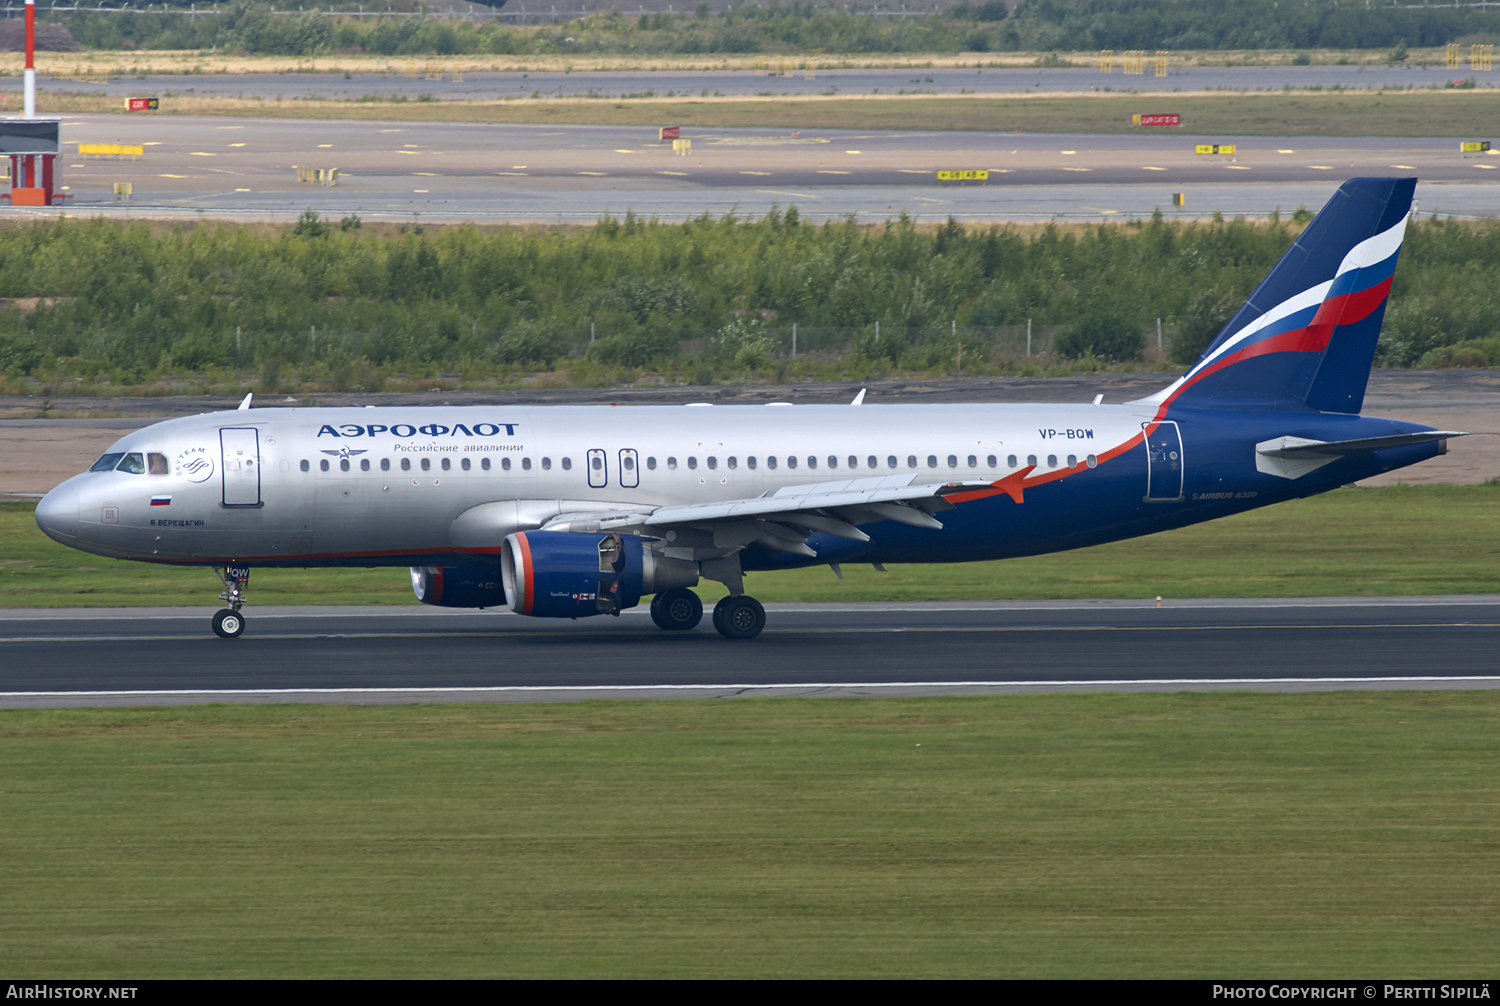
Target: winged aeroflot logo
point(345, 453)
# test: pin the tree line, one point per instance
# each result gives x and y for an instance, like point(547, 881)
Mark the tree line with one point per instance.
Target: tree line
point(127, 302)
point(972, 26)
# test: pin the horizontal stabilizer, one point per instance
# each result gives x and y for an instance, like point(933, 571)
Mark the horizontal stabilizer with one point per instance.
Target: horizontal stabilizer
point(1294, 457)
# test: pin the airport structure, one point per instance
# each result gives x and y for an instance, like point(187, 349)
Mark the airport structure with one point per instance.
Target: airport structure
point(31, 143)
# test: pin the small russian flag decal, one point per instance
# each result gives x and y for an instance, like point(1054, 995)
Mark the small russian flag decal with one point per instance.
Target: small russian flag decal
point(161, 501)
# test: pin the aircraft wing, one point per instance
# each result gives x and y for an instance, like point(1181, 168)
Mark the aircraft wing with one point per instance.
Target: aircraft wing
point(784, 519)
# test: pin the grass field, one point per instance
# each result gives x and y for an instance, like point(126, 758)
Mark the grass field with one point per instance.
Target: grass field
point(1424, 113)
point(1087, 836)
point(1392, 541)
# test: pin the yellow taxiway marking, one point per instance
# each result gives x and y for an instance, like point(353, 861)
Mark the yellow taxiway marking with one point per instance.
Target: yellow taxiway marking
point(1286, 151)
point(1078, 169)
point(242, 190)
point(681, 173)
point(1487, 167)
point(767, 173)
point(1068, 152)
point(1403, 167)
point(411, 144)
point(390, 130)
point(414, 153)
point(624, 151)
point(151, 143)
point(512, 174)
point(924, 199)
point(201, 153)
point(518, 167)
point(778, 192)
point(236, 144)
point(1101, 209)
point(1238, 167)
point(1001, 171)
point(595, 174)
point(229, 127)
point(830, 171)
point(77, 165)
point(421, 191)
point(171, 176)
point(427, 174)
point(1321, 167)
point(1151, 167)
point(854, 151)
point(913, 171)
point(322, 145)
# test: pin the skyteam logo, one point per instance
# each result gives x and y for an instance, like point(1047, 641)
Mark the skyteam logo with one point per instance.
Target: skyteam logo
point(195, 464)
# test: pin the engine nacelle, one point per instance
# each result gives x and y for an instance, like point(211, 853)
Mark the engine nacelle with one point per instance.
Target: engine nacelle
point(573, 574)
point(458, 586)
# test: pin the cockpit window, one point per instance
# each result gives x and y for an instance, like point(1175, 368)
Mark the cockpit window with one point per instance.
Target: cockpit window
point(132, 463)
point(106, 463)
point(156, 464)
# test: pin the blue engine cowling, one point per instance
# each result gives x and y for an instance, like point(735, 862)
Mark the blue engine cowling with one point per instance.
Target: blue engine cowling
point(571, 574)
point(458, 586)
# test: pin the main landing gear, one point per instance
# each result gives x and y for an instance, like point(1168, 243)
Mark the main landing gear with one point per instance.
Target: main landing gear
point(228, 622)
point(738, 616)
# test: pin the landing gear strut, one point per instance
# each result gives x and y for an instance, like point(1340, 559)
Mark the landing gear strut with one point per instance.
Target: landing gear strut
point(739, 616)
point(228, 622)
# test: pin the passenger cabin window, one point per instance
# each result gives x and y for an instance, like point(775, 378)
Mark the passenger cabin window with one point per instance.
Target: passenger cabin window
point(1011, 461)
point(406, 464)
point(812, 462)
point(464, 464)
point(526, 464)
point(890, 462)
point(990, 461)
point(651, 464)
point(447, 464)
point(713, 462)
point(911, 461)
point(567, 464)
point(771, 462)
point(750, 462)
point(427, 464)
point(932, 461)
point(953, 461)
point(671, 464)
point(546, 464)
point(385, 464)
point(106, 463)
point(305, 465)
point(692, 462)
point(156, 464)
point(504, 464)
point(323, 465)
point(872, 462)
point(733, 462)
point(364, 464)
point(344, 464)
point(791, 462)
point(483, 463)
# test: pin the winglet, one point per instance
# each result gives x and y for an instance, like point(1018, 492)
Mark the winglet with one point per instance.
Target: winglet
point(859, 399)
point(245, 405)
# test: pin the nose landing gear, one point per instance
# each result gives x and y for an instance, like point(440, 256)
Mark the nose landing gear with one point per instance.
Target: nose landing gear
point(228, 622)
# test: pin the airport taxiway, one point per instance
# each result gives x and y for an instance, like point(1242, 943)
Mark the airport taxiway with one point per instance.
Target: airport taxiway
point(249, 169)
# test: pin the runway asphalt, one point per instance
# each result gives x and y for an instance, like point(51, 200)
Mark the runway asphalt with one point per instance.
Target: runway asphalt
point(402, 655)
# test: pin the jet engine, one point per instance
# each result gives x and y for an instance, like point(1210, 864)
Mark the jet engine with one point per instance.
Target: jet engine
point(572, 574)
point(458, 586)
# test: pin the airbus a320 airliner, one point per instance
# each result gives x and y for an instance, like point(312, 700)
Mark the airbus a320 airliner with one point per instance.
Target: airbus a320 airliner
point(563, 512)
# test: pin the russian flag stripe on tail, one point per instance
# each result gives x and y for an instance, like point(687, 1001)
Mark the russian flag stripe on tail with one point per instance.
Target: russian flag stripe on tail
point(1306, 337)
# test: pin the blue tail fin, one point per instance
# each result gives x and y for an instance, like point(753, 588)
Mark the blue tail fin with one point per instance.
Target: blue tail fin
point(1306, 337)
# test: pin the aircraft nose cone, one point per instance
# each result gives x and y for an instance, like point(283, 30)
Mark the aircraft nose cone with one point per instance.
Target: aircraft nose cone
point(57, 513)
